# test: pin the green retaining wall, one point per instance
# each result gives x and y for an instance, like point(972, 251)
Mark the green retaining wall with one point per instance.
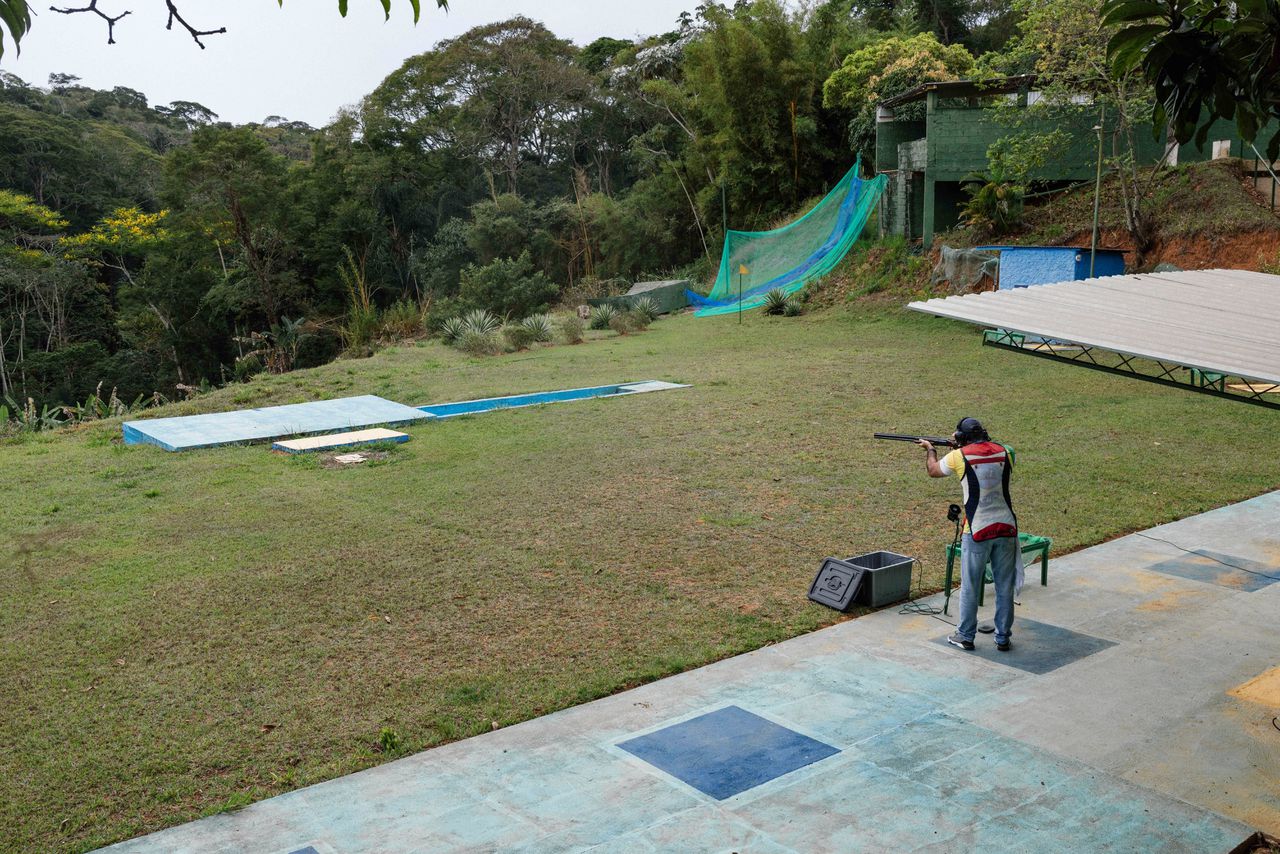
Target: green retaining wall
point(668, 297)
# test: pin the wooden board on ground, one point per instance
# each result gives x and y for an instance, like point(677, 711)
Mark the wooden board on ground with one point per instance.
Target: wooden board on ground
point(340, 440)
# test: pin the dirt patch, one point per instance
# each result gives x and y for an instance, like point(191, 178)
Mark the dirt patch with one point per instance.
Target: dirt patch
point(1170, 601)
point(1264, 689)
point(1245, 250)
point(331, 461)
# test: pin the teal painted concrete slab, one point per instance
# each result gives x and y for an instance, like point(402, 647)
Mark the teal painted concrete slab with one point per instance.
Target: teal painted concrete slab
point(1136, 746)
point(188, 432)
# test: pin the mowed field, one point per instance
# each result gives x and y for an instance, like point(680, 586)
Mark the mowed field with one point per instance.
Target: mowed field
point(185, 633)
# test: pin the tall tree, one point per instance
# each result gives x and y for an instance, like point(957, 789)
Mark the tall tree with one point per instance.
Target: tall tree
point(887, 68)
point(230, 182)
point(502, 92)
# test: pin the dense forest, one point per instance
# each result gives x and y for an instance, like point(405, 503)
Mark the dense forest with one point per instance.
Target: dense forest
point(154, 248)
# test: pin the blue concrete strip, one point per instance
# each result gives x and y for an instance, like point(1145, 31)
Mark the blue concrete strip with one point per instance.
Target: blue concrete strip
point(183, 433)
point(518, 401)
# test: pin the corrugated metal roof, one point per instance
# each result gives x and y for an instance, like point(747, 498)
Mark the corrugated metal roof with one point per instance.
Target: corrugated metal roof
point(1224, 321)
point(962, 88)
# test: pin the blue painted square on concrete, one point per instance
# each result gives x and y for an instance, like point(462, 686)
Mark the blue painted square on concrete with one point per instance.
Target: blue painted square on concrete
point(1224, 570)
point(728, 751)
point(1037, 647)
point(310, 849)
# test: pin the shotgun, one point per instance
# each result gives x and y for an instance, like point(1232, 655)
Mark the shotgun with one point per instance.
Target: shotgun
point(934, 440)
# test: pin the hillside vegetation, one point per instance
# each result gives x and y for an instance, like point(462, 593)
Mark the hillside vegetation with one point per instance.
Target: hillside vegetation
point(1204, 215)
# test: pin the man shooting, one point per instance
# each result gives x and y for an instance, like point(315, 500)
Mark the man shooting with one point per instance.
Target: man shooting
point(990, 531)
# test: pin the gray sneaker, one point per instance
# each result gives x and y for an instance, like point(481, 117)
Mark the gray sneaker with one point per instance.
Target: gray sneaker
point(956, 640)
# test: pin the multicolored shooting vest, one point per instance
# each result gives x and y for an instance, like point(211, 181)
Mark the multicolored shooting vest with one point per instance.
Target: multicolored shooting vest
point(986, 491)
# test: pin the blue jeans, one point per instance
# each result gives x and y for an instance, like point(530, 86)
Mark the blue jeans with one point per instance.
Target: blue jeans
point(1002, 552)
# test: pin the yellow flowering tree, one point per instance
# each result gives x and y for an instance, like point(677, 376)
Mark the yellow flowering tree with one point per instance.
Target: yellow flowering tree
point(126, 241)
point(123, 237)
point(21, 213)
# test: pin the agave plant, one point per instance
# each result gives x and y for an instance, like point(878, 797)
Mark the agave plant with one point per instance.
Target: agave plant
point(452, 328)
point(793, 308)
point(602, 315)
point(539, 327)
point(775, 301)
point(481, 321)
point(646, 308)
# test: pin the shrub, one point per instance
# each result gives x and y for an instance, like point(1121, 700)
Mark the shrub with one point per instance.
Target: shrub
point(571, 329)
point(646, 307)
point(481, 321)
point(247, 367)
point(508, 286)
point(402, 320)
point(995, 205)
point(452, 328)
point(621, 322)
point(603, 315)
point(539, 327)
point(638, 320)
point(476, 343)
point(360, 327)
point(518, 337)
point(793, 308)
point(775, 301)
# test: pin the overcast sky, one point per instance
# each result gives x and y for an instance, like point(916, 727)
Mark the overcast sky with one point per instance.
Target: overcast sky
point(302, 61)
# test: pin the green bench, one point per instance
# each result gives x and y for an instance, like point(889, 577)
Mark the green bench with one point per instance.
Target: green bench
point(1030, 545)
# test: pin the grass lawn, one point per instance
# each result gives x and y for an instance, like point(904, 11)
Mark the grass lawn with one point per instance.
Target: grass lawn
point(185, 633)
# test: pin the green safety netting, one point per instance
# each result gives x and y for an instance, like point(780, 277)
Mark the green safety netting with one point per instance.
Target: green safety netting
point(788, 257)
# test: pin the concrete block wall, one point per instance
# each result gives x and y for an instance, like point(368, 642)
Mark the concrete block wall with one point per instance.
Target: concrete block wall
point(889, 137)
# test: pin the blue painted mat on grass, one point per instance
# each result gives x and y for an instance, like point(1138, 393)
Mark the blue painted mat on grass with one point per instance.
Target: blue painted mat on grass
point(271, 422)
point(728, 751)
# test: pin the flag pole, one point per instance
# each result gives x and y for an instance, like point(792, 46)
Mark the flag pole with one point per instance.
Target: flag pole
point(742, 271)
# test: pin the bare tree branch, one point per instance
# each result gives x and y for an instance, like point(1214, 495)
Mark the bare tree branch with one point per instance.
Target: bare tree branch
point(195, 34)
point(93, 7)
point(174, 15)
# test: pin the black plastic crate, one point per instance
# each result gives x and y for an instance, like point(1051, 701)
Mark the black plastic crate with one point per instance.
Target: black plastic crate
point(886, 577)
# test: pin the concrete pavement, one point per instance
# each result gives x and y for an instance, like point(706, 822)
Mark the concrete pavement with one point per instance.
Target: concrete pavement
point(1134, 713)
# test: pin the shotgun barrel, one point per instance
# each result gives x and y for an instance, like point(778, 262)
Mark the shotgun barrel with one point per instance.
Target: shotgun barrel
point(933, 440)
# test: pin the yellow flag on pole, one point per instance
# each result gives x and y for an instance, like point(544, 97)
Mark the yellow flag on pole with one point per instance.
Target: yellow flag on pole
point(742, 270)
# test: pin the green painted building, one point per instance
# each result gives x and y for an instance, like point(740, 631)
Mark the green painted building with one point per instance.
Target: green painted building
point(928, 140)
